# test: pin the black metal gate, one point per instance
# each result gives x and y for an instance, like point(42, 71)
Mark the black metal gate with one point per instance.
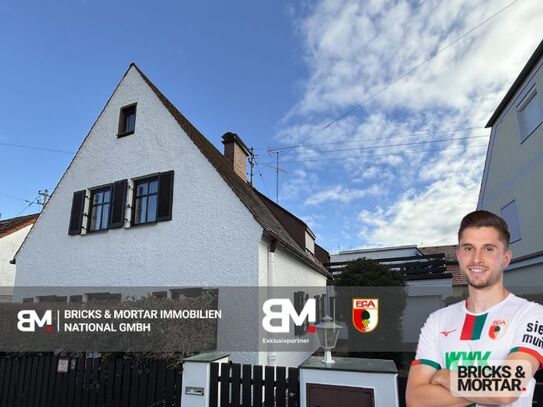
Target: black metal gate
point(253, 386)
point(39, 380)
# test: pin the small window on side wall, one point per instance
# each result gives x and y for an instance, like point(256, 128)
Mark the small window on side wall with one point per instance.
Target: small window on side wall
point(510, 213)
point(127, 120)
point(529, 114)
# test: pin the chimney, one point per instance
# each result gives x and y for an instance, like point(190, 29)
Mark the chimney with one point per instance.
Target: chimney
point(236, 153)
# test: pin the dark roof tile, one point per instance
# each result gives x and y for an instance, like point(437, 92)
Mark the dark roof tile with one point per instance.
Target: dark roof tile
point(8, 226)
point(242, 189)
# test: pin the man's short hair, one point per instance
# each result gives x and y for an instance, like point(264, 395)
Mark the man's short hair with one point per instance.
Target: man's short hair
point(477, 219)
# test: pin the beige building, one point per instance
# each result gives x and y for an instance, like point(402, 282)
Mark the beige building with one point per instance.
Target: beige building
point(512, 184)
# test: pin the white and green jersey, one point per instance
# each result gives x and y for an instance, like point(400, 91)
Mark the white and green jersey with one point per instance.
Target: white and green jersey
point(455, 335)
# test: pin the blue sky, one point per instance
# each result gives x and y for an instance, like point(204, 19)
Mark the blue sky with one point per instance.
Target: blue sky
point(278, 73)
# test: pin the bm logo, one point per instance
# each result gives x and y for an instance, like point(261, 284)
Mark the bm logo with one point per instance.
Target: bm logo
point(29, 319)
point(285, 312)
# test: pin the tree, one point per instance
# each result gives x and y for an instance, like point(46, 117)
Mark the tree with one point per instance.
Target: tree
point(369, 273)
point(366, 278)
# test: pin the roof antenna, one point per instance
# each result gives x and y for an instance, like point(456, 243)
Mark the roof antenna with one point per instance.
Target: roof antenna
point(277, 169)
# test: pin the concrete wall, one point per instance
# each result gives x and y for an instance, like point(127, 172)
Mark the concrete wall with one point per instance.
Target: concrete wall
point(8, 247)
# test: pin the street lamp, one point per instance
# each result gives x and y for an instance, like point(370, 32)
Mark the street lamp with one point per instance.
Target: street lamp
point(328, 332)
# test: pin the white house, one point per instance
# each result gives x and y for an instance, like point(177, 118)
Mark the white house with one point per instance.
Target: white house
point(513, 174)
point(149, 201)
point(12, 233)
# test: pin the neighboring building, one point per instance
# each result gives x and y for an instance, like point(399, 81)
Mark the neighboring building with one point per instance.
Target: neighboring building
point(458, 281)
point(428, 274)
point(149, 201)
point(12, 233)
point(513, 175)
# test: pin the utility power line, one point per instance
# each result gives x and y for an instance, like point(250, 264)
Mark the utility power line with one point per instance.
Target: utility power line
point(414, 68)
point(377, 155)
point(51, 150)
point(415, 134)
point(7, 225)
point(15, 197)
point(413, 143)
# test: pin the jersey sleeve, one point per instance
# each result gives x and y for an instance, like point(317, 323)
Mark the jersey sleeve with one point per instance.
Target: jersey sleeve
point(427, 348)
point(528, 332)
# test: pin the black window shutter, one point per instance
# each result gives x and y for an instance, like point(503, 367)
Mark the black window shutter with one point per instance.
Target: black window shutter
point(118, 204)
point(165, 196)
point(76, 216)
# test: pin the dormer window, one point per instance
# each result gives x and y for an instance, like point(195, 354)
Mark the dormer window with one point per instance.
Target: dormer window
point(127, 120)
point(309, 241)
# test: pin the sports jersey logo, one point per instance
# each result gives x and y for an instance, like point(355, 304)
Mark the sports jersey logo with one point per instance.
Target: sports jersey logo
point(446, 332)
point(365, 314)
point(497, 328)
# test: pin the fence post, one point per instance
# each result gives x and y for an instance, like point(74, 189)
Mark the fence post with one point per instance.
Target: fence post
point(196, 378)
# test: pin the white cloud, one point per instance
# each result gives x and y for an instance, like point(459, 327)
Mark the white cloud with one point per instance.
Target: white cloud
point(430, 218)
point(353, 49)
point(339, 193)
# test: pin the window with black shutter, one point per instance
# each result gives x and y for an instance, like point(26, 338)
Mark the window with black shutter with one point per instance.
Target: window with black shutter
point(76, 215)
point(99, 209)
point(118, 204)
point(165, 196)
point(145, 201)
point(153, 198)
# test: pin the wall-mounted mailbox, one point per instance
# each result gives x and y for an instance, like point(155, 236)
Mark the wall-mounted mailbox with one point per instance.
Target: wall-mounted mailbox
point(350, 382)
point(194, 391)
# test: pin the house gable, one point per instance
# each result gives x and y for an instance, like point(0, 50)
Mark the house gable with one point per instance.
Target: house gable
point(207, 191)
point(210, 226)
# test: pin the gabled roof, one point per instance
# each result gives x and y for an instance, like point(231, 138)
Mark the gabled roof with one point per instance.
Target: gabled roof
point(532, 62)
point(245, 192)
point(9, 226)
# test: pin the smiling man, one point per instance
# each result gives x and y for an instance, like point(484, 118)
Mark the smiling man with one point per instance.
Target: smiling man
point(491, 325)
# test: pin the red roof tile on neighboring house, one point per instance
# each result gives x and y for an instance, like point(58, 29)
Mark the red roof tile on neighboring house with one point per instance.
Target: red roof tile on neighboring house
point(449, 251)
point(9, 226)
point(458, 277)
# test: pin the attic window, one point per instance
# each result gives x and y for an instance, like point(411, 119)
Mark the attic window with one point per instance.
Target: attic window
point(127, 120)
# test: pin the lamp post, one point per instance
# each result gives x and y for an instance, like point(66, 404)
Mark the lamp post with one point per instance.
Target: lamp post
point(328, 332)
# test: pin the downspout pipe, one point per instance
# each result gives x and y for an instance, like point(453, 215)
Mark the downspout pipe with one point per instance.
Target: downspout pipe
point(272, 356)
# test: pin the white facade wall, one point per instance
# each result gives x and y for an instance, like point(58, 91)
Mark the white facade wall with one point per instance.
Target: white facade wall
point(288, 272)
point(212, 238)
point(514, 170)
point(8, 247)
